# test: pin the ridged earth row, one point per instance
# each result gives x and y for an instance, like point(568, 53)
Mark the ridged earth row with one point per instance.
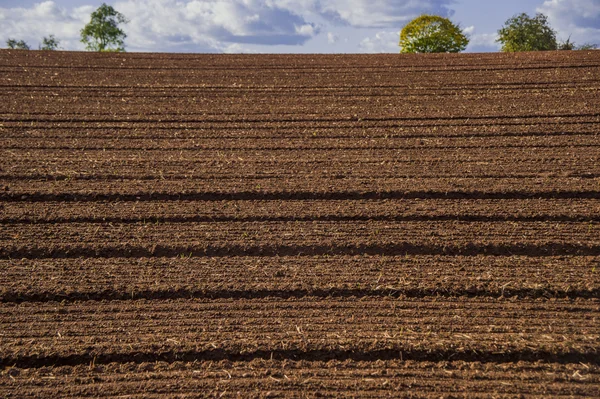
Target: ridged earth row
point(300, 225)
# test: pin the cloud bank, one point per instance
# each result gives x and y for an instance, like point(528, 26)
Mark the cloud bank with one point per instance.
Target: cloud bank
point(219, 25)
point(44, 19)
point(271, 25)
point(579, 19)
point(377, 13)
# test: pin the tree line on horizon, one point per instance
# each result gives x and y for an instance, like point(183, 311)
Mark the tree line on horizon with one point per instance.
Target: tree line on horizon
point(102, 33)
point(435, 34)
point(424, 34)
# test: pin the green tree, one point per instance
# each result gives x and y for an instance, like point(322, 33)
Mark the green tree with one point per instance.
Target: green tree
point(432, 34)
point(50, 43)
point(569, 45)
point(523, 33)
point(17, 44)
point(102, 33)
point(566, 45)
point(587, 46)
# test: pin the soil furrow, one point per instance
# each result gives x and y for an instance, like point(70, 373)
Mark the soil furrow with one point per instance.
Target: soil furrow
point(286, 195)
point(311, 329)
point(124, 143)
point(204, 131)
point(73, 279)
point(24, 220)
point(524, 210)
point(398, 353)
point(108, 251)
point(166, 118)
point(334, 378)
point(387, 292)
point(44, 147)
point(254, 173)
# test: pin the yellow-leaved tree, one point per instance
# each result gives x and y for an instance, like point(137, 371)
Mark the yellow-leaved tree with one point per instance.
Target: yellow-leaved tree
point(432, 34)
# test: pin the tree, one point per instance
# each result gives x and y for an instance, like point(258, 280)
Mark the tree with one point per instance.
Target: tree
point(49, 43)
point(587, 46)
point(569, 45)
point(103, 32)
point(432, 34)
point(523, 33)
point(17, 45)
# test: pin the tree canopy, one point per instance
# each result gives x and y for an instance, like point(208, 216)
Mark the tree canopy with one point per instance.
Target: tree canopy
point(102, 33)
point(432, 34)
point(49, 43)
point(17, 44)
point(523, 33)
point(569, 45)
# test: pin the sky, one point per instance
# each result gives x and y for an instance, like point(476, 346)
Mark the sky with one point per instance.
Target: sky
point(286, 26)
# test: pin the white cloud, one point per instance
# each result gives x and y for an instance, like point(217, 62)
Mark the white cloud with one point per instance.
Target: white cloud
point(216, 25)
point(332, 38)
point(307, 30)
point(167, 25)
point(484, 39)
point(236, 48)
point(204, 25)
point(369, 13)
point(44, 19)
point(579, 19)
point(381, 42)
point(481, 41)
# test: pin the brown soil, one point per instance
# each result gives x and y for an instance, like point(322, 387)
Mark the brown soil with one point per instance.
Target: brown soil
point(298, 225)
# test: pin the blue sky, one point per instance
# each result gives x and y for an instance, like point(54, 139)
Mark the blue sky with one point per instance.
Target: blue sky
point(286, 26)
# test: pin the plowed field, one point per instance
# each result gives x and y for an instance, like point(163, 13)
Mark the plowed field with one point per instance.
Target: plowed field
point(299, 225)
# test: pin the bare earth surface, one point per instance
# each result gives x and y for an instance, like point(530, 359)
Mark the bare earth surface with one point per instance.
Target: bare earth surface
point(299, 225)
